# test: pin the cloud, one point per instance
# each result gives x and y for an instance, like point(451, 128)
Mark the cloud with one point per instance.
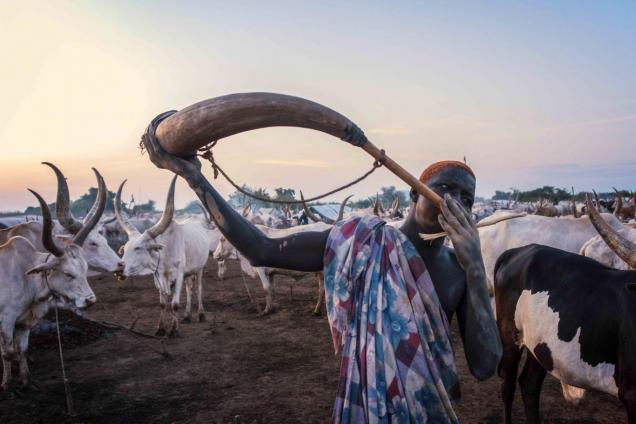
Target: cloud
point(304, 163)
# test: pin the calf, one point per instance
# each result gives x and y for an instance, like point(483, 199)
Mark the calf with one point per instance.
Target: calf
point(28, 279)
point(575, 317)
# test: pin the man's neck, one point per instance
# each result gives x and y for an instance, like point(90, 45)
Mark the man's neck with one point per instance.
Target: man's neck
point(412, 230)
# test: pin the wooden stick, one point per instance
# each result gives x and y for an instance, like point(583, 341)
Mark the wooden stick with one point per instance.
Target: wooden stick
point(402, 173)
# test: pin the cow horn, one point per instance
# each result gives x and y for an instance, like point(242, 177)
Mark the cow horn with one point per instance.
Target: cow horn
point(618, 207)
point(101, 187)
point(574, 211)
point(167, 215)
point(342, 207)
point(376, 206)
point(309, 213)
point(624, 248)
point(47, 227)
point(205, 213)
point(123, 221)
point(598, 202)
point(88, 226)
point(63, 202)
point(246, 209)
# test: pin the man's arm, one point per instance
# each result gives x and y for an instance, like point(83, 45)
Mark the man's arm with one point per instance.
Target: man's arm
point(476, 321)
point(301, 251)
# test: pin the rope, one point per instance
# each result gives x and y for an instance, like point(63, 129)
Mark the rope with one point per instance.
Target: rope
point(70, 410)
point(206, 153)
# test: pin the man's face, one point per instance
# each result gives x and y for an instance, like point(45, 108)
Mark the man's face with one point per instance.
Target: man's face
point(457, 183)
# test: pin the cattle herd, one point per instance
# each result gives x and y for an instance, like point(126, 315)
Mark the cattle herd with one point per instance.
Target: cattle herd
point(561, 278)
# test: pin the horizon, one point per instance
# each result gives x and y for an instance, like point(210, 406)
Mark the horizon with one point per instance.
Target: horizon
point(527, 100)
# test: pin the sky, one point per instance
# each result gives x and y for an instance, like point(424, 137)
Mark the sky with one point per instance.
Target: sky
point(531, 93)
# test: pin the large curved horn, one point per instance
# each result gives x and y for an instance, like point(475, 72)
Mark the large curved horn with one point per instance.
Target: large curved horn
point(63, 202)
point(205, 212)
point(573, 201)
point(183, 132)
point(618, 207)
point(309, 213)
point(246, 209)
point(123, 222)
point(101, 187)
point(598, 202)
point(376, 206)
point(624, 248)
point(167, 215)
point(47, 227)
point(80, 237)
point(342, 207)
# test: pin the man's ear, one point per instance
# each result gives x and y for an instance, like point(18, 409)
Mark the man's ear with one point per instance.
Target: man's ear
point(121, 250)
point(42, 268)
point(153, 247)
point(413, 195)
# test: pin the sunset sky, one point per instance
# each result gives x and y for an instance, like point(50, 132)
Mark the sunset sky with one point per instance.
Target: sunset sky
point(536, 93)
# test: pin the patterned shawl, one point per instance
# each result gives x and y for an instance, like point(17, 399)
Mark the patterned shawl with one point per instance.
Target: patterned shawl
point(397, 360)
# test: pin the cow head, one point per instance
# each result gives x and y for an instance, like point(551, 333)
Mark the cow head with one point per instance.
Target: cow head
point(98, 254)
point(142, 252)
point(65, 269)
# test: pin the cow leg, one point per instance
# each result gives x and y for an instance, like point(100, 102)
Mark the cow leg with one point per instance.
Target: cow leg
point(318, 308)
point(188, 310)
point(22, 345)
point(174, 329)
point(508, 372)
point(530, 381)
point(200, 308)
point(161, 331)
point(268, 286)
point(8, 354)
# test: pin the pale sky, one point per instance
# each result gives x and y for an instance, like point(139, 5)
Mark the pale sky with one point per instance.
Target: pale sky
point(540, 93)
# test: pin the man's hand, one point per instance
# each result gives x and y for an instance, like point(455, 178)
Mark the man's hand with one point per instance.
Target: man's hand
point(457, 223)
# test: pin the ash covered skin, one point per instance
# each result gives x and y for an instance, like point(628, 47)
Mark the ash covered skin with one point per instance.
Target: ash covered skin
point(457, 274)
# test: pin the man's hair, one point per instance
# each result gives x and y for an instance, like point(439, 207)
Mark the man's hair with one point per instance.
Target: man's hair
point(437, 167)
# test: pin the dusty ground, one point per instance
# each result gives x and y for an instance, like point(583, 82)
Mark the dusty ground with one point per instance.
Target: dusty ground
point(236, 366)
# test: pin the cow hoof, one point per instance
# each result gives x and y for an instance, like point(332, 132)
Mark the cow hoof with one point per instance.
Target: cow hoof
point(266, 311)
point(187, 319)
point(160, 332)
point(316, 313)
point(201, 317)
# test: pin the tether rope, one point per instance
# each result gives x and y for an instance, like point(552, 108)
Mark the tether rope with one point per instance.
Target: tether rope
point(206, 153)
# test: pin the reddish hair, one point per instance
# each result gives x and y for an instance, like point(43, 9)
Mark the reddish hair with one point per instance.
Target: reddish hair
point(437, 167)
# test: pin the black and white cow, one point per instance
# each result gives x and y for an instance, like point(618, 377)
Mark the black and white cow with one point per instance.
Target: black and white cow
point(574, 316)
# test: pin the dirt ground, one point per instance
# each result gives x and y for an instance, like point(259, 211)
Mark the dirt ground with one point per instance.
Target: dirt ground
point(234, 367)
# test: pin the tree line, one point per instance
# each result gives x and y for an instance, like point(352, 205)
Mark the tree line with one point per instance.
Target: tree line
point(551, 193)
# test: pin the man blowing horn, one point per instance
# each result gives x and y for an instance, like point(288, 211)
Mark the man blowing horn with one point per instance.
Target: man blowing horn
point(390, 295)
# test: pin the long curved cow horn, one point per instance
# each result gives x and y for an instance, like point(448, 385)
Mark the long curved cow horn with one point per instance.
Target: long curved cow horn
point(63, 202)
point(123, 222)
point(309, 213)
point(88, 226)
point(205, 213)
point(183, 132)
point(624, 248)
point(167, 215)
point(246, 209)
point(101, 187)
point(618, 207)
point(376, 206)
point(598, 202)
point(342, 207)
point(47, 227)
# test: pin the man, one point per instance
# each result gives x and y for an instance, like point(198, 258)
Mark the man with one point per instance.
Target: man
point(390, 295)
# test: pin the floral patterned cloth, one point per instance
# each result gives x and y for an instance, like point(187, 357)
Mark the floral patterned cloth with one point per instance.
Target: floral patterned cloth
point(397, 360)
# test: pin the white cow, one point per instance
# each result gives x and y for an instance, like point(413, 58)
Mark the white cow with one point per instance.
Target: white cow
point(597, 249)
point(172, 252)
point(28, 279)
point(225, 250)
point(98, 254)
point(565, 233)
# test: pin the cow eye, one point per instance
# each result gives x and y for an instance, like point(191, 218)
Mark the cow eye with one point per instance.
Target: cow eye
point(137, 249)
point(70, 276)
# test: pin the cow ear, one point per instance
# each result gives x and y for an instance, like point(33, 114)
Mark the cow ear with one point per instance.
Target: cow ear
point(41, 268)
point(155, 247)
